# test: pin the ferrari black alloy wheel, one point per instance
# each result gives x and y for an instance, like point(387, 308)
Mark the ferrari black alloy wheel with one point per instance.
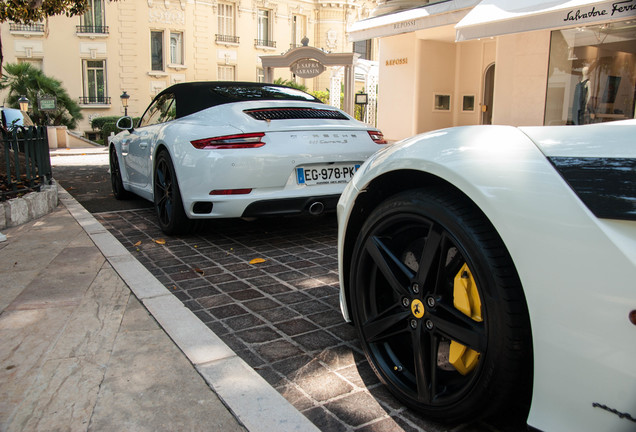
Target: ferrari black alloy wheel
point(439, 307)
point(116, 182)
point(167, 197)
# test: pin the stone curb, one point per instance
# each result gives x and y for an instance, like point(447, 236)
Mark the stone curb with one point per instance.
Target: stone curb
point(255, 403)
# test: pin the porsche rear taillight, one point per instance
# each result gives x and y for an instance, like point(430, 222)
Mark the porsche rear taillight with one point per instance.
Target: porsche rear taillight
point(377, 137)
point(250, 140)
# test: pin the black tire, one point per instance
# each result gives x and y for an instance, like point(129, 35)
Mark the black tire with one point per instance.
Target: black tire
point(167, 197)
point(116, 182)
point(405, 262)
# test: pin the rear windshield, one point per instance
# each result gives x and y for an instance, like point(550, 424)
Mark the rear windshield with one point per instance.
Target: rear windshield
point(239, 93)
point(197, 96)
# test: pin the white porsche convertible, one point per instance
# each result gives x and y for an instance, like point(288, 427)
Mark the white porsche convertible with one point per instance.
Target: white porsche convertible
point(229, 149)
point(492, 270)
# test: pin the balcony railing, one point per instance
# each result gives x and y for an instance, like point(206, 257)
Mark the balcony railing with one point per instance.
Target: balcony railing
point(25, 164)
point(264, 43)
point(35, 28)
point(92, 29)
point(94, 100)
point(227, 39)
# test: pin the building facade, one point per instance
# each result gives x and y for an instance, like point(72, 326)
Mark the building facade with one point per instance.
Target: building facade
point(144, 46)
point(527, 62)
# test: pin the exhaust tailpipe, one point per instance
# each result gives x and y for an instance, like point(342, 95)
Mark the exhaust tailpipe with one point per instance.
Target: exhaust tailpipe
point(316, 208)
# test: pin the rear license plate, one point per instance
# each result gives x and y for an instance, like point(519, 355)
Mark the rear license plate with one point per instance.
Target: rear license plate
point(325, 174)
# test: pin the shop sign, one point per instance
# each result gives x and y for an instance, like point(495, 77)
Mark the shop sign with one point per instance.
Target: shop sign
point(307, 68)
point(404, 25)
point(397, 61)
point(47, 103)
point(613, 10)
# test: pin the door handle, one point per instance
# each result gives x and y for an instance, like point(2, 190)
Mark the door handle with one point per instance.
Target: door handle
point(143, 145)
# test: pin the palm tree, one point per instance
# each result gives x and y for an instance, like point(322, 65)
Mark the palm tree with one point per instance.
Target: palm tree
point(23, 79)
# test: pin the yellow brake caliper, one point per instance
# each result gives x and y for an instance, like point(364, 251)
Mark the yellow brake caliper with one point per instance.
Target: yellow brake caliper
point(466, 300)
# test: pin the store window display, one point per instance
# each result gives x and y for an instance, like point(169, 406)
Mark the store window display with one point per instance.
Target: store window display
point(580, 113)
point(592, 74)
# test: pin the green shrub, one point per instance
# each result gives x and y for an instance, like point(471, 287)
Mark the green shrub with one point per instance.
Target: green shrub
point(107, 129)
point(107, 124)
point(98, 122)
point(322, 95)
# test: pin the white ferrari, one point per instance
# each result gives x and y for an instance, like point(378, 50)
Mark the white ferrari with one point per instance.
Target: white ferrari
point(491, 272)
point(228, 149)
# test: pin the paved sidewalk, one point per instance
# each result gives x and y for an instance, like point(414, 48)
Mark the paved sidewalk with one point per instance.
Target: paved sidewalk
point(79, 351)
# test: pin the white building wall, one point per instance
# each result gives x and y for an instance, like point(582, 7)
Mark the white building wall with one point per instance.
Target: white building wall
point(407, 90)
point(436, 75)
point(398, 86)
point(521, 75)
point(472, 60)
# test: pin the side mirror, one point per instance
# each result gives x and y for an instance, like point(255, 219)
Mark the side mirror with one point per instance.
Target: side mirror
point(125, 123)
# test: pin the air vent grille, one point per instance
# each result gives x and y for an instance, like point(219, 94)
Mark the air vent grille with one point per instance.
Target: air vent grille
point(295, 113)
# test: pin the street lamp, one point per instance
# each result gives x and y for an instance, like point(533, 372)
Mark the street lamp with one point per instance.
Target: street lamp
point(124, 101)
point(24, 103)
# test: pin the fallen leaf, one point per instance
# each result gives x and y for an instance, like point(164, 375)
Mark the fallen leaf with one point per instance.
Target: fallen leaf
point(198, 270)
point(137, 244)
point(174, 287)
point(160, 241)
point(257, 261)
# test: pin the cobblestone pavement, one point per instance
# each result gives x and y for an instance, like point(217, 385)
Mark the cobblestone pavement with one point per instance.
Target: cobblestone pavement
point(282, 315)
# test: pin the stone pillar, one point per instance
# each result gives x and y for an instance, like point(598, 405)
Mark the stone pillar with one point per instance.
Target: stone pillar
point(51, 134)
point(57, 136)
point(268, 73)
point(349, 90)
point(334, 88)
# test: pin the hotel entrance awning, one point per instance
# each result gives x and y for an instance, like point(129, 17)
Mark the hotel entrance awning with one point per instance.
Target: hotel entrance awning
point(499, 17)
point(425, 17)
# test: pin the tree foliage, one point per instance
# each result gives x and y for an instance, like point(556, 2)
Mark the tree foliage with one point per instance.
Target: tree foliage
point(28, 11)
point(290, 83)
point(23, 79)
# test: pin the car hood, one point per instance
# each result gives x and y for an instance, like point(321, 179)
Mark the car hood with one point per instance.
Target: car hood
point(601, 140)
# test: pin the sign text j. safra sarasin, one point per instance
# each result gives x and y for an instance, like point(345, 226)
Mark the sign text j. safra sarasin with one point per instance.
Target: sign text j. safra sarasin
point(307, 68)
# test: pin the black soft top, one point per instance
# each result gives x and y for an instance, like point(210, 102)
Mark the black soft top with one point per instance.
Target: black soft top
point(196, 96)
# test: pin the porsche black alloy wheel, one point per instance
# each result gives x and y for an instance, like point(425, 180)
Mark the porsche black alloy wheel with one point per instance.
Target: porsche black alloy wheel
point(439, 308)
point(167, 197)
point(116, 182)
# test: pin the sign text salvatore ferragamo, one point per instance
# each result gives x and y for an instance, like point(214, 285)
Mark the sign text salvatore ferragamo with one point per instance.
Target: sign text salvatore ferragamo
point(625, 7)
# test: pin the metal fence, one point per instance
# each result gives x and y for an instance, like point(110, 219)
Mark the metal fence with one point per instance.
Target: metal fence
point(25, 163)
point(98, 100)
point(92, 29)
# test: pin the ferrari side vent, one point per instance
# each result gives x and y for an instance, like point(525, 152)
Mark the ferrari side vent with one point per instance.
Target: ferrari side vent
point(607, 186)
point(295, 113)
